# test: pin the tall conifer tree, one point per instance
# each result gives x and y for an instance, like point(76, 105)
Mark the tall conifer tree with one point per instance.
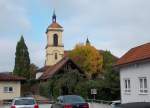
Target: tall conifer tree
point(22, 60)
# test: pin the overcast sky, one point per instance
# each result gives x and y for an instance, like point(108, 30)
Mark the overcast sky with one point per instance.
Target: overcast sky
point(115, 25)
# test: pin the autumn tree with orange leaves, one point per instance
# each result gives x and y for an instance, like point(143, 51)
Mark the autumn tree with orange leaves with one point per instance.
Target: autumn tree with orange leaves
point(88, 58)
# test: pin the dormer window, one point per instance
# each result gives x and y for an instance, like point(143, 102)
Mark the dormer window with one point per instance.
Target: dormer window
point(55, 39)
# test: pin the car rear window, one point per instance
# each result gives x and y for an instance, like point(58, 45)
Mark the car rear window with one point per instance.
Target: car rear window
point(73, 99)
point(24, 102)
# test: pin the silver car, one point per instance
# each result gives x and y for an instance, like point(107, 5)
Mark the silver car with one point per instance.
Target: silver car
point(24, 102)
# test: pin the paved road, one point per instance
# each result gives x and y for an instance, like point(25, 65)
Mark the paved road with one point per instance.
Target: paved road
point(92, 105)
point(95, 105)
point(40, 106)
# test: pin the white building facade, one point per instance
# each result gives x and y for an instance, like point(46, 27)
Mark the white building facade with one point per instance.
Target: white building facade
point(134, 69)
point(135, 83)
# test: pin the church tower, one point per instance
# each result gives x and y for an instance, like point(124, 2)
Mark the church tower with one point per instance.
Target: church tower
point(55, 47)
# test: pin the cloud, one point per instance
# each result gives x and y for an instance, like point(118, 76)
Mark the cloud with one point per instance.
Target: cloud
point(116, 25)
point(7, 53)
point(13, 17)
point(13, 21)
point(37, 52)
point(7, 48)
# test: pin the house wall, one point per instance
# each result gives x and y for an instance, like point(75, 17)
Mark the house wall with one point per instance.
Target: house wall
point(16, 90)
point(133, 72)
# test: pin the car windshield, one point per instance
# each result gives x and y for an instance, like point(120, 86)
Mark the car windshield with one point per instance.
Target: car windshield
point(24, 102)
point(73, 99)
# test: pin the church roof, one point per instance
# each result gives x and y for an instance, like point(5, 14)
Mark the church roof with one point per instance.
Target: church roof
point(55, 25)
point(58, 66)
point(54, 22)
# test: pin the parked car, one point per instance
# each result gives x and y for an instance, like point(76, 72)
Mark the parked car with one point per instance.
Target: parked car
point(70, 101)
point(24, 102)
point(116, 104)
point(136, 105)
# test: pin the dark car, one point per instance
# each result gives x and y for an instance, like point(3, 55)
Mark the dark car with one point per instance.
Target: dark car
point(70, 101)
point(136, 105)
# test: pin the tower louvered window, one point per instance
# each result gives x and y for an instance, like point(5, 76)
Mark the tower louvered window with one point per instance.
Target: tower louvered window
point(55, 39)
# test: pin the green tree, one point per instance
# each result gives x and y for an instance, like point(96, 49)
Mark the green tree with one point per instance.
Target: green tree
point(62, 83)
point(22, 60)
point(33, 69)
point(107, 85)
point(84, 88)
point(88, 58)
point(111, 81)
point(66, 82)
point(108, 60)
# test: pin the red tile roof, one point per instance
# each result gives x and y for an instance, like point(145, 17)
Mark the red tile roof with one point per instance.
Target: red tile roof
point(55, 25)
point(136, 54)
point(66, 53)
point(54, 69)
point(10, 77)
